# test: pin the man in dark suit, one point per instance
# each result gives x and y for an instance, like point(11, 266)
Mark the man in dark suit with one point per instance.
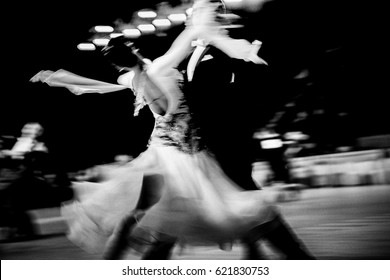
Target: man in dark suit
point(221, 97)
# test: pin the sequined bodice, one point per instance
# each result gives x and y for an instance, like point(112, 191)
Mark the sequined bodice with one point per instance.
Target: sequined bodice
point(177, 129)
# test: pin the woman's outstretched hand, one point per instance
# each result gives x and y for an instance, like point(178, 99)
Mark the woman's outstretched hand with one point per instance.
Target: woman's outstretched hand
point(41, 76)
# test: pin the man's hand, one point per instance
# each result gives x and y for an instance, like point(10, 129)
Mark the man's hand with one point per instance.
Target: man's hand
point(252, 56)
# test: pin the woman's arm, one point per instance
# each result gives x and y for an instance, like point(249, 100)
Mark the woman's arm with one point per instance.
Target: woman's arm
point(162, 74)
point(201, 21)
point(178, 51)
point(162, 88)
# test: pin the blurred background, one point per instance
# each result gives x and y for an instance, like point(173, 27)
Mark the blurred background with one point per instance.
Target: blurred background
point(326, 57)
point(325, 118)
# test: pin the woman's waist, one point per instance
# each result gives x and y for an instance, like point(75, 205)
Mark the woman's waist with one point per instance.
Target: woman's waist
point(190, 146)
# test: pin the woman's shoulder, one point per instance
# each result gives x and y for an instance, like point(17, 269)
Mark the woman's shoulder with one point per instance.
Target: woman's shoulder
point(126, 79)
point(169, 82)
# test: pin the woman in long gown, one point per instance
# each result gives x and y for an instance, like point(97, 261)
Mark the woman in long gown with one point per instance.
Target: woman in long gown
point(195, 202)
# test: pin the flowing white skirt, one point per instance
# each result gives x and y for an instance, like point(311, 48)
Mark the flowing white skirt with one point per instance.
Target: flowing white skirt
point(199, 204)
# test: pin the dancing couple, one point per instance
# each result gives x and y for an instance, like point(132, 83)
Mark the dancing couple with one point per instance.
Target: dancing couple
point(175, 192)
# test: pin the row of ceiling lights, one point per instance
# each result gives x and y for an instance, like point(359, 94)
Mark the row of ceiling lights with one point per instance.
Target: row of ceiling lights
point(149, 22)
point(103, 33)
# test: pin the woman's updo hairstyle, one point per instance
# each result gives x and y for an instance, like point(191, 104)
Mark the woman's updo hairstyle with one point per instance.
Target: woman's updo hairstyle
point(122, 53)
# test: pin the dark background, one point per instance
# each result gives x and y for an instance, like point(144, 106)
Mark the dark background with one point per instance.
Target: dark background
point(341, 42)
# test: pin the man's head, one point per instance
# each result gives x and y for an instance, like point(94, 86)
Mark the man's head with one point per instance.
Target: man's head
point(32, 130)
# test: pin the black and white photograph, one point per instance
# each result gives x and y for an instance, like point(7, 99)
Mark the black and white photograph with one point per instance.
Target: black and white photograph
point(194, 130)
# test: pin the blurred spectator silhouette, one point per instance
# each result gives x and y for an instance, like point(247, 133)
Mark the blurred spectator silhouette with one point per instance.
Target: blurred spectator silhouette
point(273, 151)
point(26, 184)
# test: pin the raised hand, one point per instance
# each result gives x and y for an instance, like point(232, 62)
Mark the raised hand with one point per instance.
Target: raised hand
point(204, 16)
